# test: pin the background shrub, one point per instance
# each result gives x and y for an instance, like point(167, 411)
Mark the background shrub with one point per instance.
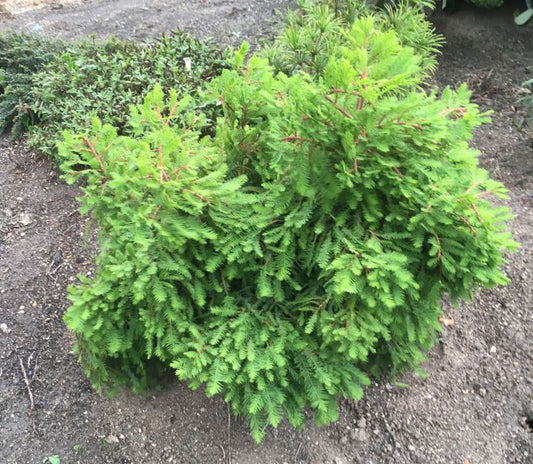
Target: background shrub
point(21, 57)
point(487, 3)
point(304, 245)
point(47, 86)
point(105, 79)
point(316, 28)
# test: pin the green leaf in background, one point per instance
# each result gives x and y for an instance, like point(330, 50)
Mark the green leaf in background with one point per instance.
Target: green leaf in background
point(524, 17)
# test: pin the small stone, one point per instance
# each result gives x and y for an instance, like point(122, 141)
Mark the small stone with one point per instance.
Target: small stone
point(359, 436)
point(4, 328)
point(361, 423)
point(482, 392)
point(411, 448)
point(25, 219)
point(493, 349)
point(111, 439)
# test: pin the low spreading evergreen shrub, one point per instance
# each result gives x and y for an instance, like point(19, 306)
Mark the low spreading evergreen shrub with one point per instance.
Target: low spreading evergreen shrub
point(47, 86)
point(304, 245)
point(103, 80)
point(21, 57)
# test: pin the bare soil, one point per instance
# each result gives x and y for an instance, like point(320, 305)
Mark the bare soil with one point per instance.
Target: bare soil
point(474, 407)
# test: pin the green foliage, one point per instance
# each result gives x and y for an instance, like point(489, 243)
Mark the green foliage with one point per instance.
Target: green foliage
point(105, 79)
point(316, 28)
point(21, 57)
point(52, 459)
point(304, 245)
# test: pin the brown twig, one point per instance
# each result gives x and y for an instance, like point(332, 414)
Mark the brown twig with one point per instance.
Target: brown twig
point(349, 92)
point(297, 452)
point(159, 116)
point(30, 394)
point(93, 151)
point(340, 108)
point(162, 174)
point(295, 138)
point(172, 111)
point(197, 195)
point(467, 222)
point(223, 452)
point(397, 171)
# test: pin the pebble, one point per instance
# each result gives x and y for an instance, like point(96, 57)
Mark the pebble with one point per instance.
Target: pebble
point(4, 328)
point(411, 448)
point(493, 349)
point(359, 436)
point(25, 219)
point(111, 439)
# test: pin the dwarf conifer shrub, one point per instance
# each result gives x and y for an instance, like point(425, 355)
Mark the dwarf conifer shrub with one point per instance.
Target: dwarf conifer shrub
point(303, 246)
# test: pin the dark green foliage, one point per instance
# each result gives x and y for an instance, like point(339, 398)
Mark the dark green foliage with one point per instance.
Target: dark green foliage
point(105, 79)
point(21, 57)
point(303, 246)
point(487, 3)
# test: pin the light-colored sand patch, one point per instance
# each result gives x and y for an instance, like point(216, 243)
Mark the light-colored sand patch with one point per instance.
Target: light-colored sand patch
point(20, 6)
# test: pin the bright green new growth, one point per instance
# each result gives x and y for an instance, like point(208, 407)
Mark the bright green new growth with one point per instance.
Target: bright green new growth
point(302, 247)
point(314, 30)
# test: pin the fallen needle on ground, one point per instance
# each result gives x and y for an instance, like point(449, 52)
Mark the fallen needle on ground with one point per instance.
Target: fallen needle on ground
point(32, 406)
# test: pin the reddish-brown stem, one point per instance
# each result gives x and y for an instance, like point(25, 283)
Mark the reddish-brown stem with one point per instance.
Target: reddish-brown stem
point(340, 108)
point(349, 92)
point(295, 138)
point(93, 151)
point(172, 111)
point(397, 171)
point(467, 222)
point(162, 174)
point(197, 195)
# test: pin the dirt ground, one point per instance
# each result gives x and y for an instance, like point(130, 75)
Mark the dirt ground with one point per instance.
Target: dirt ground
point(474, 407)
